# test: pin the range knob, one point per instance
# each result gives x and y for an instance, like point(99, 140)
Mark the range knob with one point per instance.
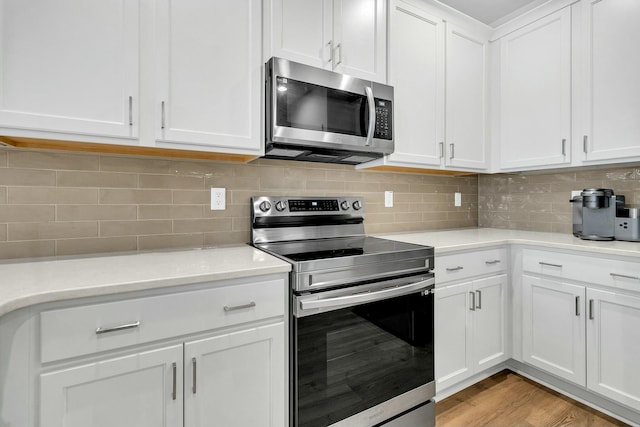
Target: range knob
point(265, 206)
point(280, 206)
point(344, 205)
point(357, 205)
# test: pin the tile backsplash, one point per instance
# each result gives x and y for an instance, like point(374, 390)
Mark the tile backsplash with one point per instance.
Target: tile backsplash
point(540, 201)
point(62, 203)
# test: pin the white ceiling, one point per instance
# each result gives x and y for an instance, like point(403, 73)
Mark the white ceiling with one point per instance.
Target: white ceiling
point(493, 12)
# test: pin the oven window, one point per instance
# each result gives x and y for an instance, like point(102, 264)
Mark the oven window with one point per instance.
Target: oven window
point(307, 106)
point(352, 359)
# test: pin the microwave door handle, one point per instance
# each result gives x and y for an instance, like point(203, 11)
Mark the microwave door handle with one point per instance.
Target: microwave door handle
point(372, 115)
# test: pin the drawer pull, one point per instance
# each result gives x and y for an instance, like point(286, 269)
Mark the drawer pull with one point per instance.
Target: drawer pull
point(458, 268)
point(102, 330)
point(174, 390)
point(550, 265)
point(479, 305)
point(473, 301)
point(239, 307)
point(591, 309)
point(624, 276)
point(577, 306)
point(495, 261)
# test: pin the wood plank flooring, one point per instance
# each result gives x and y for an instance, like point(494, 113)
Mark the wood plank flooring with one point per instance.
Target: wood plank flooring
point(507, 399)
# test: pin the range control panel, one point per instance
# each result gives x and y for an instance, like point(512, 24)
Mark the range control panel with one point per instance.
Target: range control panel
point(293, 206)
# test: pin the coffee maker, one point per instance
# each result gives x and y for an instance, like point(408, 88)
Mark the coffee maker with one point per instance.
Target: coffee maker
point(594, 213)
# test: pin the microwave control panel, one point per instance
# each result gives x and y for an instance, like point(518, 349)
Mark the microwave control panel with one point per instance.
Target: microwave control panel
point(384, 120)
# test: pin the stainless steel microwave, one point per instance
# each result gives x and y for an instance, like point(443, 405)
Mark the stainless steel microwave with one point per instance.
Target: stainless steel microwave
point(318, 115)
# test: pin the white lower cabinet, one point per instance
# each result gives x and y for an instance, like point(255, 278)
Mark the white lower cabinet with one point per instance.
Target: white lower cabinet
point(236, 379)
point(470, 329)
point(553, 327)
point(232, 374)
point(580, 321)
point(141, 389)
point(613, 346)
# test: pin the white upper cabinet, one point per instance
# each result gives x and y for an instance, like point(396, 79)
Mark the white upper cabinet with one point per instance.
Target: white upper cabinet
point(535, 93)
point(439, 73)
point(346, 36)
point(70, 66)
point(466, 99)
point(416, 72)
point(611, 88)
point(209, 70)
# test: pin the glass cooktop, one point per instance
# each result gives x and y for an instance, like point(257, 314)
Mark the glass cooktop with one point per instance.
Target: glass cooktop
point(322, 249)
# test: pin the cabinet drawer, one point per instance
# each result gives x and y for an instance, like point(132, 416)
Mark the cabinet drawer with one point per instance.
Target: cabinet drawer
point(615, 273)
point(83, 330)
point(460, 266)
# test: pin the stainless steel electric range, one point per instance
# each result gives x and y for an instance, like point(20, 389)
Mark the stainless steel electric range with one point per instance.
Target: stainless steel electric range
point(361, 314)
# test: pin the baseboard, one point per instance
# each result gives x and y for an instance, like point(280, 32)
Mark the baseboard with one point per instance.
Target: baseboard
point(443, 394)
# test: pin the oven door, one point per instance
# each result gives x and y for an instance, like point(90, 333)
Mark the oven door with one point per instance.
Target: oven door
point(364, 354)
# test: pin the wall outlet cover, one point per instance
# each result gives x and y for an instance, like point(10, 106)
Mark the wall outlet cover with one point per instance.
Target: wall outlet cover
point(218, 199)
point(388, 199)
point(457, 199)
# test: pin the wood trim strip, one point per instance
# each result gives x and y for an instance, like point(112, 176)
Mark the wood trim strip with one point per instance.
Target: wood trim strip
point(123, 149)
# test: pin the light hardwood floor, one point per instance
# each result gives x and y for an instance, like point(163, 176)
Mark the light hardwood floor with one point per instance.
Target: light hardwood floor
point(507, 399)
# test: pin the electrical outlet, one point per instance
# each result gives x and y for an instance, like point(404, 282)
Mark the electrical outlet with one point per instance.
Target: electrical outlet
point(218, 199)
point(388, 199)
point(457, 199)
point(575, 193)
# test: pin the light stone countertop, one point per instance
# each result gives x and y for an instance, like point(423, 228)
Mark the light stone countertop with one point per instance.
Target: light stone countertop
point(475, 238)
point(28, 282)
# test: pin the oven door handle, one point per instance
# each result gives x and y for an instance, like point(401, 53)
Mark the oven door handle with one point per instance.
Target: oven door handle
point(364, 297)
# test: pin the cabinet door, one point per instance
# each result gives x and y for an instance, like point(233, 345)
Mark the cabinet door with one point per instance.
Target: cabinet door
point(69, 66)
point(611, 86)
point(466, 101)
point(417, 74)
point(360, 38)
point(535, 93)
point(489, 322)
point(237, 379)
point(301, 31)
point(613, 346)
point(209, 75)
point(553, 327)
point(142, 390)
point(453, 334)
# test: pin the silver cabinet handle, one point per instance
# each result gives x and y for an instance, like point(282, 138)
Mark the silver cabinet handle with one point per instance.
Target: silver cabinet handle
point(550, 265)
point(339, 50)
point(473, 301)
point(102, 330)
point(451, 151)
point(577, 305)
point(585, 145)
point(624, 276)
point(458, 268)
point(591, 317)
point(330, 44)
point(495, 261)
point(130, 110)
point(194, 373)
point(239, 307)
point(479, 305)
point(162, 115)
point(564, 147)
point(372, 115)
point(174, 391)
point(442, 150)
